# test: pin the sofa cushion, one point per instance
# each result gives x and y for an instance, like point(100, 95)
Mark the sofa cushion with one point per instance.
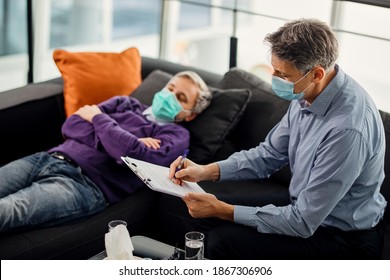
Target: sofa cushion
point(92, 77)
point(173, 212)
point(83, 238)
point(209, 129)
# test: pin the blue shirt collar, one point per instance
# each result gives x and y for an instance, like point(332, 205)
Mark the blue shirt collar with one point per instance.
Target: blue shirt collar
point(321, 104)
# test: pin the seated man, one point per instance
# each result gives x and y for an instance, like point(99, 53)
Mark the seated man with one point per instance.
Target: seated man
point(333, 138)
point(85, 173)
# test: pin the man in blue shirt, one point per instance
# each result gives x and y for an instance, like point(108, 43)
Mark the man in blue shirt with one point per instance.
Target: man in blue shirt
point(332, 137)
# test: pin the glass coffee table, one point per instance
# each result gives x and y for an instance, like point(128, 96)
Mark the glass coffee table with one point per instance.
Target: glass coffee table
point(145, 247)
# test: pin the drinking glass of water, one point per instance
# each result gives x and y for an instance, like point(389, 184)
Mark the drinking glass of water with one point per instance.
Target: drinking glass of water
point(194, 242)
point(115, 223)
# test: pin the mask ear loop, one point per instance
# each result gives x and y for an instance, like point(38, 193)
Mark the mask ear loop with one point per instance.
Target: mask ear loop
point(187, 111)
point(303, 77)
point(303, 91)
point(184, 110)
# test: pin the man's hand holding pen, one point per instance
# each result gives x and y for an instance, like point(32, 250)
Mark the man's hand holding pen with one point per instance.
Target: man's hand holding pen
point(200, 205)
point(183, 169)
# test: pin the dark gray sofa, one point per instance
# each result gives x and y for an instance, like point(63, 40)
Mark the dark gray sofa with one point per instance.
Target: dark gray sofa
point(31, 119)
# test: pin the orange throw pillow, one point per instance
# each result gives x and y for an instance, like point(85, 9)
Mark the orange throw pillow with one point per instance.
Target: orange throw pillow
point(92, 77)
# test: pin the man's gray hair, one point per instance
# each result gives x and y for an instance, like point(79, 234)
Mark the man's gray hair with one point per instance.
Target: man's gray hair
point(305, 43)
point(204, 96)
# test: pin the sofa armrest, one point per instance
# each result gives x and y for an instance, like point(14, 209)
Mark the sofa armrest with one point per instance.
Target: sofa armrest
point(30, 119)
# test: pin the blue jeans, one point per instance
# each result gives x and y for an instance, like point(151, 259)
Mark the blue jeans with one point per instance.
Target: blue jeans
point(40, 190)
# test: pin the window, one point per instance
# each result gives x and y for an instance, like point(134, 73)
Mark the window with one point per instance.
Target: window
point(13, 44)
point(364, 46)
point(95, 25)
point(195, 16)
point(135, 18)
point(13, 27)
point(75, 23)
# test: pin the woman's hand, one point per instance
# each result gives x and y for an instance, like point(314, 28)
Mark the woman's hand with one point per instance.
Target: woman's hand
point(87, 112)
point(150, 142)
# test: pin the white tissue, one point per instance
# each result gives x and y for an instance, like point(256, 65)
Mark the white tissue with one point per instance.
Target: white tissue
point(118, 244)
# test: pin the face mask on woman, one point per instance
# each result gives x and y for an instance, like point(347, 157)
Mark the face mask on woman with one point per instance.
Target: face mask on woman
point(285, 89)
point(165, 105)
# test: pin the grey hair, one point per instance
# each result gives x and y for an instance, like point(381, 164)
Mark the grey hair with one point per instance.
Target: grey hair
point(204, 96)
point(305, 43)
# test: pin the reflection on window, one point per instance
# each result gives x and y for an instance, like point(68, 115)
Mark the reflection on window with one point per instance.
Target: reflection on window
point(194, 16)
point(376, 19)
point(198, 13)
point(75, 22)
point(135, 17)
point(13, 27)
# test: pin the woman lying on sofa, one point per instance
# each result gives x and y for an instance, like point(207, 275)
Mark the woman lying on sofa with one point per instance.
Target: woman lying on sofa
point(85, 173)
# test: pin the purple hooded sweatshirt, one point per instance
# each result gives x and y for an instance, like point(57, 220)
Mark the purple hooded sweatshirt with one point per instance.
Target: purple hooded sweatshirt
point(97, 147)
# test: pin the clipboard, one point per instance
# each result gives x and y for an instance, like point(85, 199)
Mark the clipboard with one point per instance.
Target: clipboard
point(156, 178)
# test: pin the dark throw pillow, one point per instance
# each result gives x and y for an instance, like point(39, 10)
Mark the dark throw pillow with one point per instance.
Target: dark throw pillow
point(210, 128)
point(155, 81)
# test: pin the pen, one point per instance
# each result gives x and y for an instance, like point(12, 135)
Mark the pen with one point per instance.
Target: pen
point(182, 160)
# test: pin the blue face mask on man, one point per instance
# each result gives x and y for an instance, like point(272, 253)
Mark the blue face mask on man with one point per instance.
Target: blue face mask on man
point(285, 89)
point(165, 105)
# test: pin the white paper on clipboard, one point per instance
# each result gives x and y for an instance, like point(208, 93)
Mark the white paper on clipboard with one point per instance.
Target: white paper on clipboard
point(156, 178)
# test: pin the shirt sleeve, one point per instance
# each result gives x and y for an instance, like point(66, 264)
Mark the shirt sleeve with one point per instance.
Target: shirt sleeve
point(120, 104)
point(78, 129)
point(339, 161)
